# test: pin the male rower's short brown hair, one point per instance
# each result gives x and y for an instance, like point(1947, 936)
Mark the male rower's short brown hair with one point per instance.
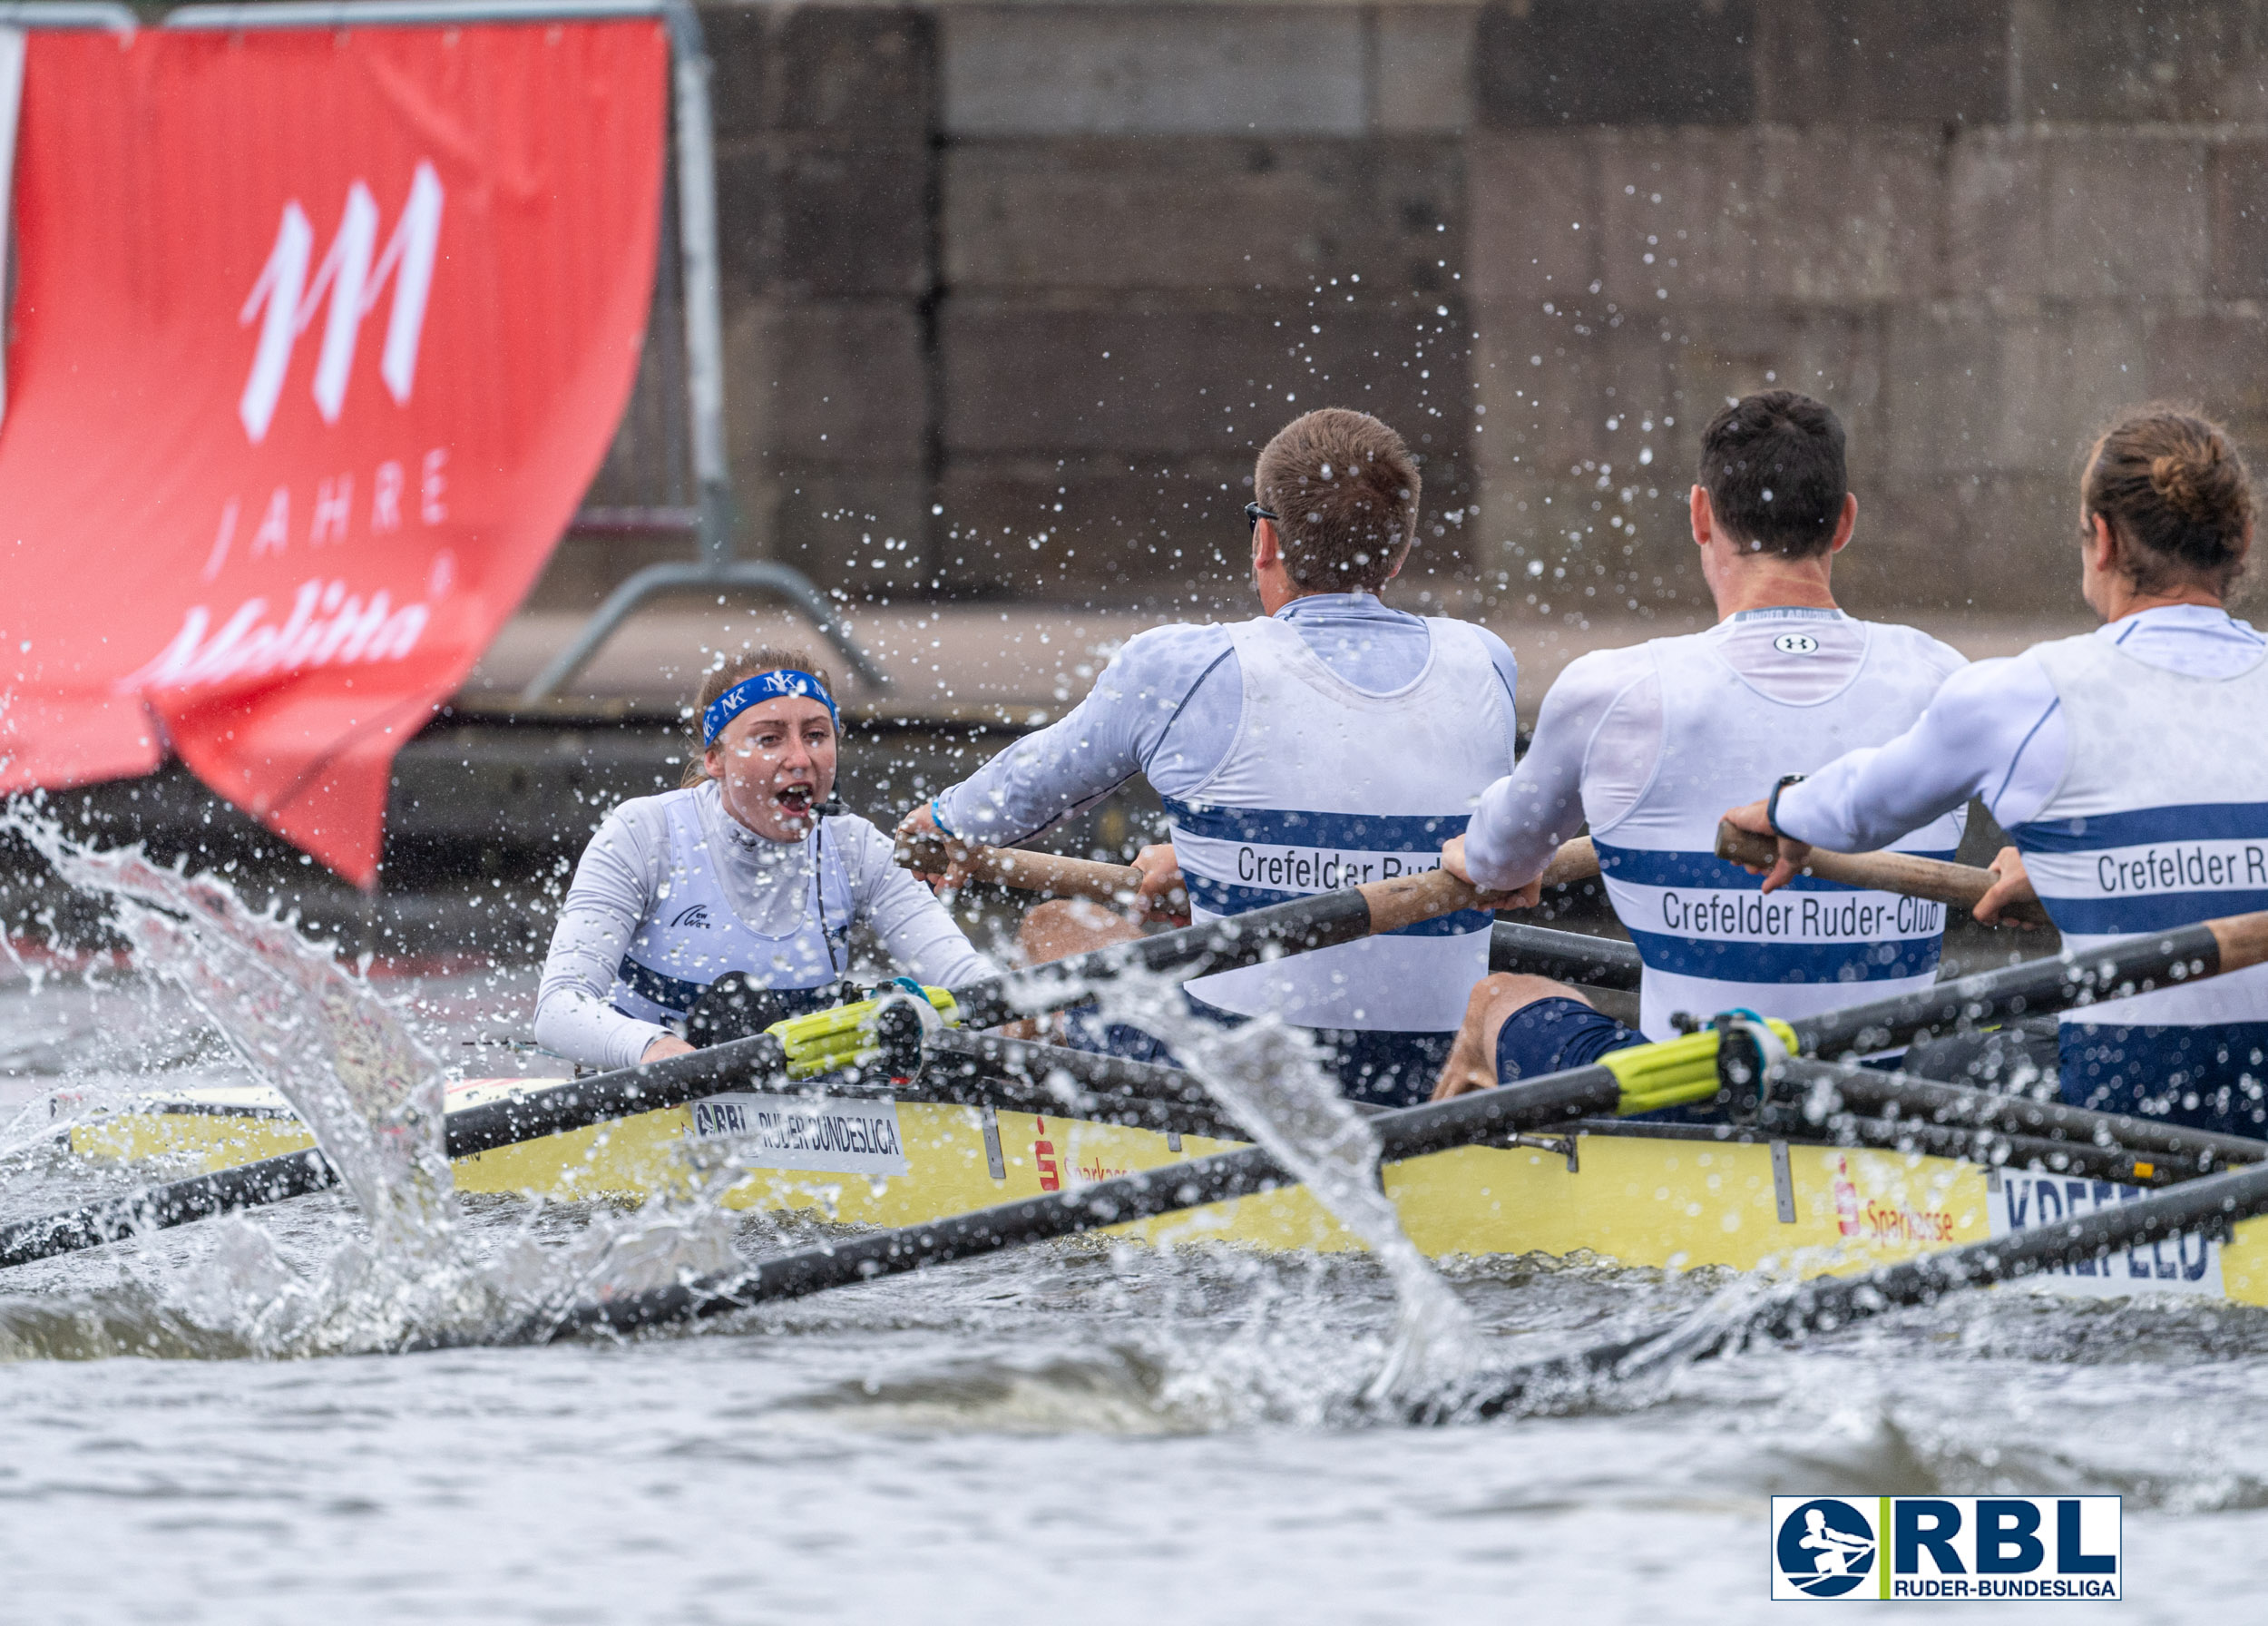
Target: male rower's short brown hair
point(1345, 491)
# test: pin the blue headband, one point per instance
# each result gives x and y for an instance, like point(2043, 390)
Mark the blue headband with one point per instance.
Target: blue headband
point(756, 691)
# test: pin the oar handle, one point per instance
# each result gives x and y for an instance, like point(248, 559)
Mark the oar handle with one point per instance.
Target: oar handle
point(1957, 883)
point(1577, 860)
point(1048, 873)
point(1430, 894)
point(1058, 877)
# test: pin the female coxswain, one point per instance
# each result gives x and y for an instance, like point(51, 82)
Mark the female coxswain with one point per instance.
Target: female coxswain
point(745, 868)
point(2129, 764)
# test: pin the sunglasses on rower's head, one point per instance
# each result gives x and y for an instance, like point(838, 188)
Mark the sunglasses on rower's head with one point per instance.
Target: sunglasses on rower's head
point(1254, 514)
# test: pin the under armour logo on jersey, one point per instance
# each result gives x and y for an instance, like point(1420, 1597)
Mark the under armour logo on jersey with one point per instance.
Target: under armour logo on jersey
point(696, 915)
point(1796, 643)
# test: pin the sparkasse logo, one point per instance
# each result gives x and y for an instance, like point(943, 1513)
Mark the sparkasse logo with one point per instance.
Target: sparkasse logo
point(2019, 1548)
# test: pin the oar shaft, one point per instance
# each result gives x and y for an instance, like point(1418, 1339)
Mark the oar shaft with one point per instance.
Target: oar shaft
point(2212, 1202)
point(1297, 926)
point(2038, 987)
point(161, 1208)
point(1991, 1146)
point(1960, 884)
point(1465, 1120)
point(1564, 956)
point(1826, 1304)
point(1936, 1102)
point(579, 1104)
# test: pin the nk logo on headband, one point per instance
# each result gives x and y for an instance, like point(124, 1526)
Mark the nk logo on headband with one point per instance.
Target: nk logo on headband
point(354, 272)
point(2016, 1548)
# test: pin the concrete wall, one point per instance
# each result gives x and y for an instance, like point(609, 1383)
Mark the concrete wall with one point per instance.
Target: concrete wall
point(1976, 226)
point(1008, 275)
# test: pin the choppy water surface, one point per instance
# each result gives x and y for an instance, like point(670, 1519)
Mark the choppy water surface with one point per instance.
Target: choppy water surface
point(1078, 1432)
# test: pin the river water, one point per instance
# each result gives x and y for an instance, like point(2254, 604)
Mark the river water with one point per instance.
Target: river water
point(201, 1426)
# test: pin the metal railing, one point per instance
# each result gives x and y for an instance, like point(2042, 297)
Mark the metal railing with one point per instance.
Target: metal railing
point(714, 521)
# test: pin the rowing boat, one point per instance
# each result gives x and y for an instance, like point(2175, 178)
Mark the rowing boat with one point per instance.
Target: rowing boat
point(1621, 1191)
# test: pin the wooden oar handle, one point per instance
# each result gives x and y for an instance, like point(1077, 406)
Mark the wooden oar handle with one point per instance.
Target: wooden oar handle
point(1426, 896)
point(1577, 860)
point(1048, 873)
point(1957, 883)
point(1057, 877)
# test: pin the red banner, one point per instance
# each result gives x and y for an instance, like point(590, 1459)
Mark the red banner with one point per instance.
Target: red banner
point(317, 339)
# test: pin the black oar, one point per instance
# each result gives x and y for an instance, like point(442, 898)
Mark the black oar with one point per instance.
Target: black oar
point(1680, 1072)
point(2193, 1151)
point(1563, 956)
point(528, 1115)
point(1292, 927)
point(1827, 1304)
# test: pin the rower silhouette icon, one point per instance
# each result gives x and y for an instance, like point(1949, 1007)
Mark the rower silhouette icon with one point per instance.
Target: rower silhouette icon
point(1825, 1548)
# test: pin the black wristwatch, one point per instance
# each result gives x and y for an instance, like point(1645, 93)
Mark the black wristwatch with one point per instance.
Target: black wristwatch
point(1772, 805)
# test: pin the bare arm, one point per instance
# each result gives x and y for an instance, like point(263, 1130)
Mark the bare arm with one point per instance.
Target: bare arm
point(917, 931)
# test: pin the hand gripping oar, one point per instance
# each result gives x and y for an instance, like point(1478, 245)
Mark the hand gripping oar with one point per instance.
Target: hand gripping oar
point(1960, 884)
point(1055, 876)
point(1827, 1303)
point(817, 1043)
point(1645, 1078)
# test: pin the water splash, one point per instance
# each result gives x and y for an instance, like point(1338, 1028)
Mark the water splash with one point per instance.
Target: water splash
point(301, 1021)
point(1269, 1077)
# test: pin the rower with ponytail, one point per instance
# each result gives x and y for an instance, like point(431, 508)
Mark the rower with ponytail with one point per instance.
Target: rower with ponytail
point(2130, 765)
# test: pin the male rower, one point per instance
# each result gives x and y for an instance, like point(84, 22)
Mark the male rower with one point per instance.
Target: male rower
point(1327, 741)
point(1649, 745)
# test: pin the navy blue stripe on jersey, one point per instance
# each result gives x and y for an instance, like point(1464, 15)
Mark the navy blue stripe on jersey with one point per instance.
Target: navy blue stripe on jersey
point(1644, 867)
point(2198, 821)
point(1226, 898)
point(1346, 832)
point(670, 993)
point(1741, 961)
point(2150, 912)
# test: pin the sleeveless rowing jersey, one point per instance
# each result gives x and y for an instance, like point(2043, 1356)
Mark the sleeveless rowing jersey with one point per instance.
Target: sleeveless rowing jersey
point(1710, 939)
point(691, 934)
point(2160, 820)
point(1326, 787)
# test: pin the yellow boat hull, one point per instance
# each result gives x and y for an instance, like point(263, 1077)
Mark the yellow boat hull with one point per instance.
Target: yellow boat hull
point(1633, 1199)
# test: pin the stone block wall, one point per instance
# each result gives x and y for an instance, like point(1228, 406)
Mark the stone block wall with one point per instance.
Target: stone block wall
point(1014, 291)
point(1976, 228)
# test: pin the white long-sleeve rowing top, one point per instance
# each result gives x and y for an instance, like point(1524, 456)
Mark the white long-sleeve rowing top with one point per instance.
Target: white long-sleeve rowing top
point(1598, 736)
point(625, 881)
point(1996, 731)
point(1168, 707)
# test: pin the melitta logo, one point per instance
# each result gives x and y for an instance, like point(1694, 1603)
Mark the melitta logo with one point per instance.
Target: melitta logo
point(2026, 1548)
point(354, 274)
point(328, 626)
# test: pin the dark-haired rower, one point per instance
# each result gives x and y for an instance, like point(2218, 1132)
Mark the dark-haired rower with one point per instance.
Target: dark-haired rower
point(1646, 743)
point(2130, 765)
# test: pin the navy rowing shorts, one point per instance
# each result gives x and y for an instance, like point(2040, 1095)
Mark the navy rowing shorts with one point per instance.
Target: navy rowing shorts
point(2210, 1078)
point(1553, 1035)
